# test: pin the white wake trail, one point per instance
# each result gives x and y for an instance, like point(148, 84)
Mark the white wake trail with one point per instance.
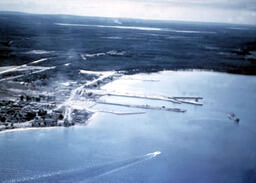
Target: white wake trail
point(85, 174)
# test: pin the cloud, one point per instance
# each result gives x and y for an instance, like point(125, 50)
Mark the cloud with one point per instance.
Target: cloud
point(222, 4)
point(231, 11)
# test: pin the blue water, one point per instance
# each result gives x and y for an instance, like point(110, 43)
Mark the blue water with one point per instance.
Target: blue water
point(201, 145)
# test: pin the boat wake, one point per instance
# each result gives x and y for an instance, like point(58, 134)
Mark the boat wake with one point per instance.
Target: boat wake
point(85, 174)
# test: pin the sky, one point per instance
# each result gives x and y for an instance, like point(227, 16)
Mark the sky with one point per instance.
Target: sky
point(226, 11)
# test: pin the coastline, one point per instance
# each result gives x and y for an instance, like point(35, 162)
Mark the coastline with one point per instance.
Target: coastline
point(28, 129)
point(102, 82)
point(109, 138)
point(97, 103)
point(87, 123)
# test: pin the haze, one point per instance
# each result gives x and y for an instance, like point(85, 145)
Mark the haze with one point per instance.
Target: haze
point(227, 11)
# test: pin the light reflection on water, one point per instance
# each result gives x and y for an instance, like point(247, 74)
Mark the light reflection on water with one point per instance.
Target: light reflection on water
point(197, 146)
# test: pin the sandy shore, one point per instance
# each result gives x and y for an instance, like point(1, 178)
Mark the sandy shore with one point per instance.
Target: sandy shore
point(30, 128)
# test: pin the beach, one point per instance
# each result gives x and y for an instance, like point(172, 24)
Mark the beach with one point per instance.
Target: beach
point(117, 145)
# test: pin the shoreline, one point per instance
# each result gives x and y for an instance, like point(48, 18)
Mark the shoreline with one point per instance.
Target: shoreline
point(39, 128)
point(93, 114)
point(63, 111)
point(27, 129)
point(48, 128)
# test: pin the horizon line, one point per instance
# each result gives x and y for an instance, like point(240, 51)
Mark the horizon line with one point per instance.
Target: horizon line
point(128, 18)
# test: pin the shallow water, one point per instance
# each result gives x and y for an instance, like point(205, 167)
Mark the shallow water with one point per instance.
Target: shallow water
point(201, 145)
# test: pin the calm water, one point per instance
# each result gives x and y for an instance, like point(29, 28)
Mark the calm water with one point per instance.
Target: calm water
point(201, 145)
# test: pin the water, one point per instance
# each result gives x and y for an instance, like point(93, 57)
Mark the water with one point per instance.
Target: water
point(201, 145)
